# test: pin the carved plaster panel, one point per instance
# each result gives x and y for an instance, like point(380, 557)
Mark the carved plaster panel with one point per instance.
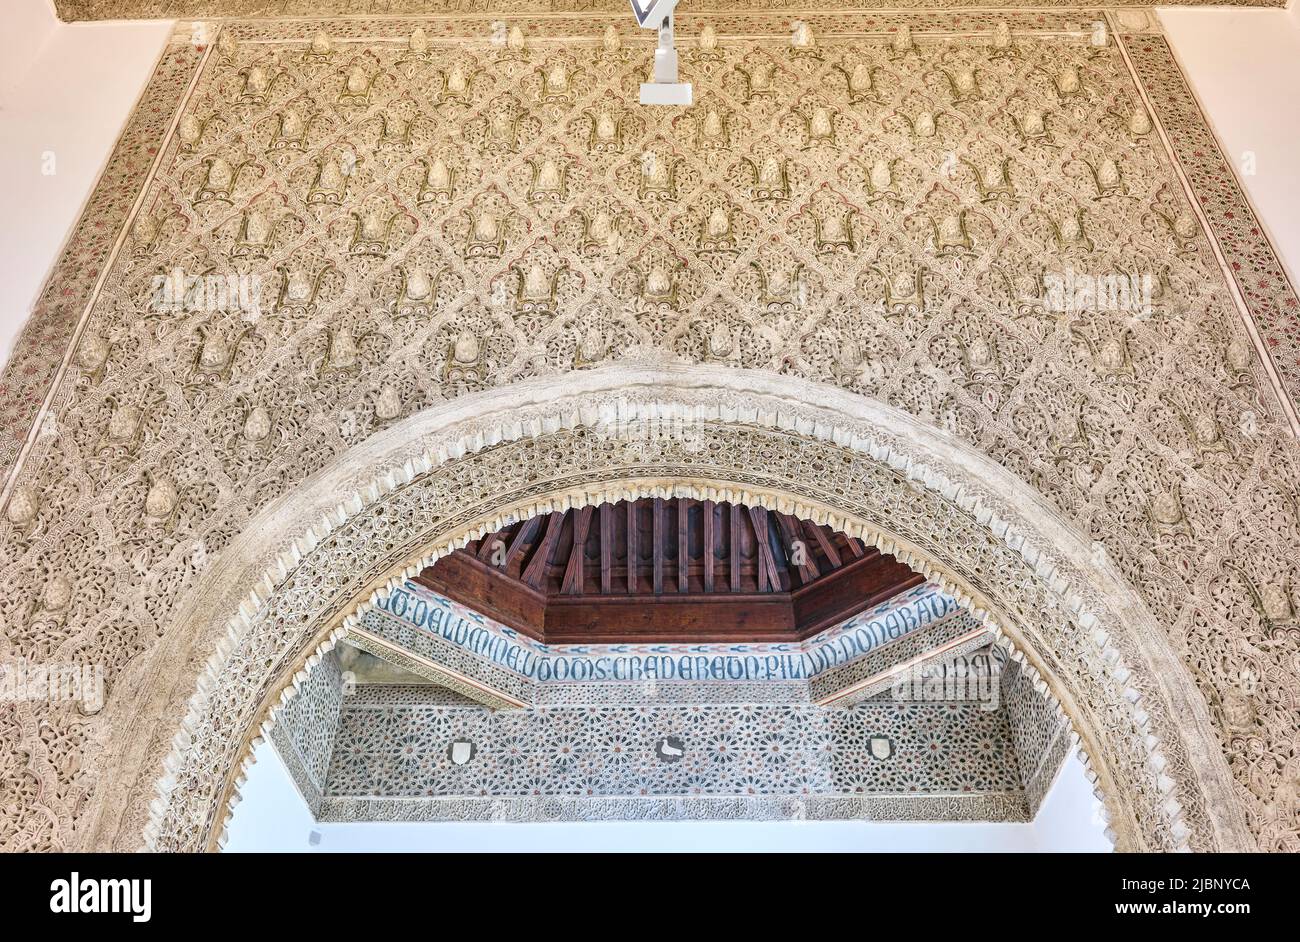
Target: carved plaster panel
point(605, 10)
point(1107, 642)
point(491, 229)
point(602, 752)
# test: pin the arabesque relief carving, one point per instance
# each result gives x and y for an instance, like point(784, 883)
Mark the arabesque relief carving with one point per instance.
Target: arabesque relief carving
point(143, 9)
point(457, 471)
point(390, 219)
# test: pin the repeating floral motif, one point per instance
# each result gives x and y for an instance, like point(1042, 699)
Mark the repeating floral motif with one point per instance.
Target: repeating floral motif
point(1256, 269)
point(45, 338)
point(435, 504)
point(505, 216)
point(867, 806)
point(143, 9)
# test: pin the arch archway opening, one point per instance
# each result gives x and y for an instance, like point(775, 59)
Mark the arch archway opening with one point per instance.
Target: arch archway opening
point(901, 706)
point(459, 473)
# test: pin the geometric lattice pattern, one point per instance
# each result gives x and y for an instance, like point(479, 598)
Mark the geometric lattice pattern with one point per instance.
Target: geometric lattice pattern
point(434, 207)
point(143, 9)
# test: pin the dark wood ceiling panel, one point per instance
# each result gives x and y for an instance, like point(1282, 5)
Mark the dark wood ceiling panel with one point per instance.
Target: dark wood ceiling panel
point(668, 570)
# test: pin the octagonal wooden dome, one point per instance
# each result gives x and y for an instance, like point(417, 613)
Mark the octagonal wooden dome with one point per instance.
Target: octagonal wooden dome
point(668, 570)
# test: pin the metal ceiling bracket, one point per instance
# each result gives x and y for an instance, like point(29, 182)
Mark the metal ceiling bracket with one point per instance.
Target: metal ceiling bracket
point(665, 89)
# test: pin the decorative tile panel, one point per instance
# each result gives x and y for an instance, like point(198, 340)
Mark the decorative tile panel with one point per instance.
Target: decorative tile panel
point(391, 746)
point(143, 9)
point(426, 624)
point(1040, 734)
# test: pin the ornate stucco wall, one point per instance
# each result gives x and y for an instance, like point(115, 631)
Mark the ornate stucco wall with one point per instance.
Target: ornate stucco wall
point(435, 217)
point(1040, 734)
point(305, 736)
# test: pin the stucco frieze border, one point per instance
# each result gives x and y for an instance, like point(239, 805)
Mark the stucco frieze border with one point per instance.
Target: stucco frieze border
point(1143, 727)
point(73, 10)
point(1002, 807)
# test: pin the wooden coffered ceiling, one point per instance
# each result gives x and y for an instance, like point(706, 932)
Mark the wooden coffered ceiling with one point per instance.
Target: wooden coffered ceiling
point(668, 570)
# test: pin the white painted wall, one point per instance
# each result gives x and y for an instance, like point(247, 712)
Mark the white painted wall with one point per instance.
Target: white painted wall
point(28, 26)
point(65, 91)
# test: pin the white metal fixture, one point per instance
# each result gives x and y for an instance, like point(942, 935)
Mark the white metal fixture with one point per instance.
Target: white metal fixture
point(665, 89)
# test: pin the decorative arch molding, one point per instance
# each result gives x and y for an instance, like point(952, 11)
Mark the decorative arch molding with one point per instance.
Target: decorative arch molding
point(309, 564)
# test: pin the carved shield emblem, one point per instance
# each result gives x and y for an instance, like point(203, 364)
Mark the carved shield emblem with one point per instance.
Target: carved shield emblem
point(881, 747)
point(461, 752)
